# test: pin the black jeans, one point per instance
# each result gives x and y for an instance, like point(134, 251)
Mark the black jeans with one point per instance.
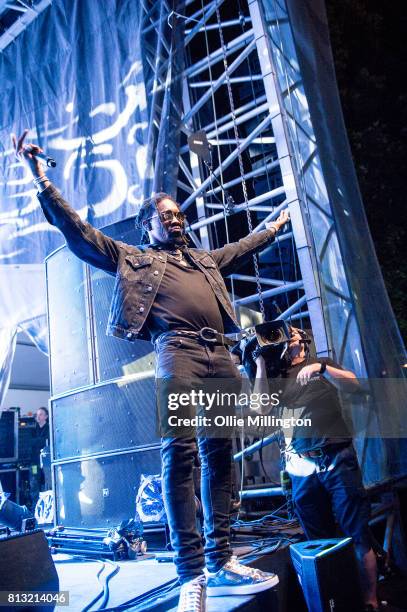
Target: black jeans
point(335, 492)
point(184, 362)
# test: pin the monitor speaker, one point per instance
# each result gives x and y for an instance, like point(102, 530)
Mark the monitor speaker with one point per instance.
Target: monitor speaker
point(328, 573)
point(26, 565)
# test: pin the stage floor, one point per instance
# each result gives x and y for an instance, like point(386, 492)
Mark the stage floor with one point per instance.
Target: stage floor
point(135, 578)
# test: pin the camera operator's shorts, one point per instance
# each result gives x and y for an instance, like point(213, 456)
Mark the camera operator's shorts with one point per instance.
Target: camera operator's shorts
point(335, 491)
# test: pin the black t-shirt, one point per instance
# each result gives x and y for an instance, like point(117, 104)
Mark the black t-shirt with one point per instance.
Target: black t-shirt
point(317, 401)
point(185, 300)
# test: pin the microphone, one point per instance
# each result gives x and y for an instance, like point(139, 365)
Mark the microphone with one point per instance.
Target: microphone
point(48, 161)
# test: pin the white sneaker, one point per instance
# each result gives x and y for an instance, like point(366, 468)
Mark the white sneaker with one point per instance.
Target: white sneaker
point(193, 595)
point(234, 578)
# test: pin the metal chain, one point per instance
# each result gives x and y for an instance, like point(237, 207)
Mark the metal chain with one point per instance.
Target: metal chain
point(232, 282)
point(241, 168)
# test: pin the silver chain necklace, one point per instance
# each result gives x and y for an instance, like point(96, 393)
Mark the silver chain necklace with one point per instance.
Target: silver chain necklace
point(177, 254)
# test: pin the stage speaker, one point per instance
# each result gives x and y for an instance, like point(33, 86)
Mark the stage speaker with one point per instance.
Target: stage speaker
point(104, 419)
point(100, 491)
point(328, 573)
point(26, 565)
point(104, 440)
point(68, 313)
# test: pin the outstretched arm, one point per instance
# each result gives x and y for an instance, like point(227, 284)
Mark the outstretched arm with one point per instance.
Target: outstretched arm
point(234, 254)
point(86, 242)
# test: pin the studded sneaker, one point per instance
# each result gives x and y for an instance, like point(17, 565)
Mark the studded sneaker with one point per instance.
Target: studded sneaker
point(234, 578)
point(193, 595)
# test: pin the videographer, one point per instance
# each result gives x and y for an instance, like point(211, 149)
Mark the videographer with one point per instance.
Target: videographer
point(322, 463)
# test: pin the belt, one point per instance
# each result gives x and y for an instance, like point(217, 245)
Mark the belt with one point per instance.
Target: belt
point(206, 334)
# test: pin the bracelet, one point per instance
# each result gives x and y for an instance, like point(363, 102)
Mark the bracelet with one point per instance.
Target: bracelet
point(274, 227)
point(40, 179)
point(322, 369)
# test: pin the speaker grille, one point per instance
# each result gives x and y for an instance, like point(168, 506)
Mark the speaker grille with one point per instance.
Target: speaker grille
point(70, 360)
point(103, 419)
point(101, 492)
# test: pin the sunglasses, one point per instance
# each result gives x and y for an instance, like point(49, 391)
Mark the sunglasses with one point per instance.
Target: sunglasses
point(167, 215)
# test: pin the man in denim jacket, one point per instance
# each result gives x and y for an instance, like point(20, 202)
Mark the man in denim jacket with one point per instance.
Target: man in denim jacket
point(176, 297)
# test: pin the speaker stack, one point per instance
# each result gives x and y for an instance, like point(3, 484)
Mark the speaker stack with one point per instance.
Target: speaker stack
point(103, 414)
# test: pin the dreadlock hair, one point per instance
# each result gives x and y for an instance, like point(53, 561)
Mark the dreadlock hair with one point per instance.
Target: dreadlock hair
point(147, 210)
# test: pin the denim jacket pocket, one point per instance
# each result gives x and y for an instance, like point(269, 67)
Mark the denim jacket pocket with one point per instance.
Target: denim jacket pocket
point(135, 267)
point(138, 261)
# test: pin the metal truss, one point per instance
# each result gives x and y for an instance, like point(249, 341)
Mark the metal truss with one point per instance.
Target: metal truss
point(23, 14)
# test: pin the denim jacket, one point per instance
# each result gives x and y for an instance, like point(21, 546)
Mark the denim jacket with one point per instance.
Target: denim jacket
point(139, 270)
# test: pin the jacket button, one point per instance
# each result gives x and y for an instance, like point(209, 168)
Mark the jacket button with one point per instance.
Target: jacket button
point(155, 273)
point(149, 288)
point(141, 309)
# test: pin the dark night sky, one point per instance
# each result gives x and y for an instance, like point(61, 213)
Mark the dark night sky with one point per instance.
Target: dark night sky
point(368, 39)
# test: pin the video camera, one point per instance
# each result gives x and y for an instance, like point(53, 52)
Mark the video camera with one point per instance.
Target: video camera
point(269, 339)
point(271, 334)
